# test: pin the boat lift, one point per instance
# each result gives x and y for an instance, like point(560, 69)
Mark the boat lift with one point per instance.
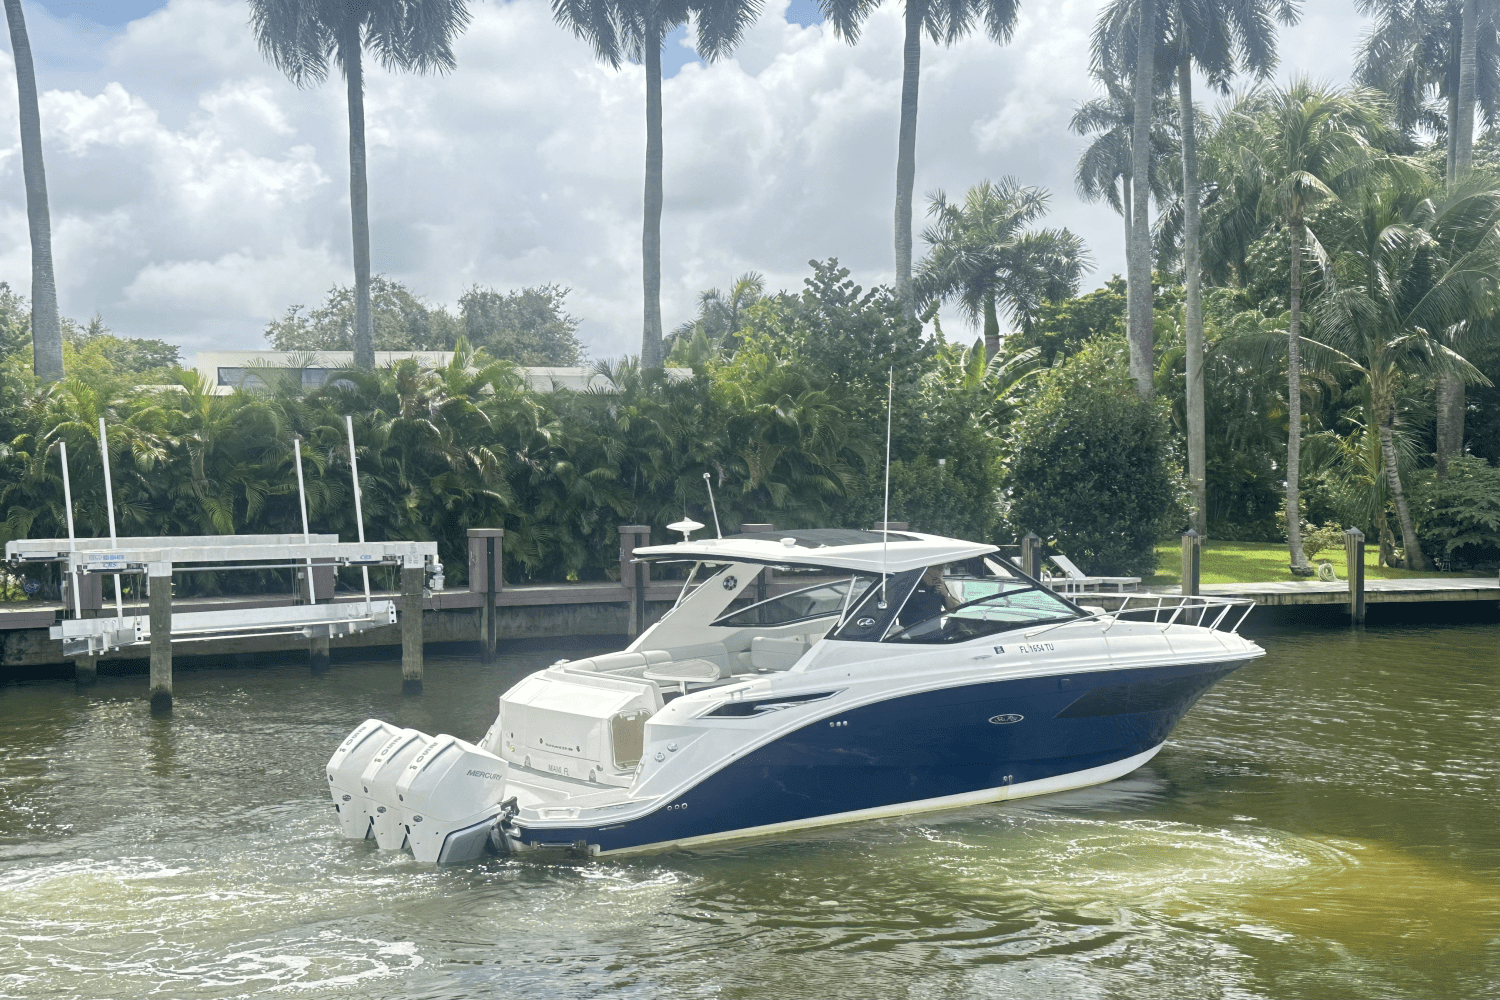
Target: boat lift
point(158, 558)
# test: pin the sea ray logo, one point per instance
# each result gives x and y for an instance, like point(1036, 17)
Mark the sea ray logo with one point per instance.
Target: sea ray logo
point(1005, 720)
point(730, 583)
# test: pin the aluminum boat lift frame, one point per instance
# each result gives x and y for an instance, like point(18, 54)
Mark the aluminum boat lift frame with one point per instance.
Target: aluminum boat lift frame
point(160, 557)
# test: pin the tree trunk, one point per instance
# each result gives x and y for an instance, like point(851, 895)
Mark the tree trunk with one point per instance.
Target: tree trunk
point(651, 346)
point(350, 54)
point(906, 149)
point(1452, 133)
point(1299, 563)
point(1468, 74)
point(1387, 540)
point(1450, 400)
point(1192, 270)
point(1139, 265)
point(46, 332)
point(1129, 253)
point(991, 327)
point(1409, 541)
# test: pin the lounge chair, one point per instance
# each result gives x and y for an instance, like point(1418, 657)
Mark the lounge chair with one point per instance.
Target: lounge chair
point(1076, 581)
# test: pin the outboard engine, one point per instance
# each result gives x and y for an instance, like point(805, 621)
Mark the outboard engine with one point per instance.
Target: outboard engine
point(345, 768)
point(379, 779)
point(448, 798)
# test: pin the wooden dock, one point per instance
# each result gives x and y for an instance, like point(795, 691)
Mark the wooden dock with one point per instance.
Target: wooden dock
point(1292, 593)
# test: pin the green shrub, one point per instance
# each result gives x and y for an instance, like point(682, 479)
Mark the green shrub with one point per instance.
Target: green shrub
point(1316, 539)
point(1460, 519)
point(1090, 466)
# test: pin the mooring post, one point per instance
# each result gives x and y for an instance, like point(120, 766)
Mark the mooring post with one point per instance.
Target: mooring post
point(411, 629)
point(1354, 552)
point(318, 591)
point(1192, 562)
point(763, 578)
point(159, 585)
point(1031, 555)
point(89, 601)
point(634, 575)
point(486, 577)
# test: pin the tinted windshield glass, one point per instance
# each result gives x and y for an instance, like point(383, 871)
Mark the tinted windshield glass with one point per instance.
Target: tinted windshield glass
point(984, 607)
point(812, 602)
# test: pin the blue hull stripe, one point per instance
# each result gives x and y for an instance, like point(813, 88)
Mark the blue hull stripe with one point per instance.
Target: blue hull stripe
point(923, 746)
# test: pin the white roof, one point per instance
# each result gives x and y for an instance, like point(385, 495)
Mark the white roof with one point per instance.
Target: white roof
point(831, 547)
point(540, 379)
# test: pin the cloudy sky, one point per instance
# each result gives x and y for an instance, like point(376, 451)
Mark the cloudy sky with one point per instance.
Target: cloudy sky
point(196, 193)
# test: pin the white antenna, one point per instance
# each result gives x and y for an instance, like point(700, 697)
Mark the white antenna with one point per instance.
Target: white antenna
point(359, 514)
point(708, 481)
point(109, 505)
point(312, 587)
point(885, 525)
point(62, 446)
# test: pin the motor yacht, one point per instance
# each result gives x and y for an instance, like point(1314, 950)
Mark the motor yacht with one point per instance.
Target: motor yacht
point(902, 672)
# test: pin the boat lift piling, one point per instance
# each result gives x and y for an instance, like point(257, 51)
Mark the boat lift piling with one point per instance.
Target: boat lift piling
point(159, 587)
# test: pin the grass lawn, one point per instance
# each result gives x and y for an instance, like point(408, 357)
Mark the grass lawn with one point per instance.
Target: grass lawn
point(1257, 562)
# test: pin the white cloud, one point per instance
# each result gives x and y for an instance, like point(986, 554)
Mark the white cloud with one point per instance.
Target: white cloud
point(195, 192)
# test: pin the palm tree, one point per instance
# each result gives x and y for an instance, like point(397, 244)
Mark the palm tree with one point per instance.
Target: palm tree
point(1104, 169)
point(944, 21)
point(983, 256)
point(1113, 38)
point(46, 331)
point(1284, 152)
point(300, 36)
point(1407, 263)
point(720, 315)
point(636, 30)
point(1448, 49)
point(1219, 39)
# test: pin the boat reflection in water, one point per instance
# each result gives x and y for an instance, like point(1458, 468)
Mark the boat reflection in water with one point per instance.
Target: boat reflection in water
point(912, 672)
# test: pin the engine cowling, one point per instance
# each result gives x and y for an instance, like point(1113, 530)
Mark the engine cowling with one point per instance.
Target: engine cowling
point(378, 781)
point(449, 796)
point(345, 769)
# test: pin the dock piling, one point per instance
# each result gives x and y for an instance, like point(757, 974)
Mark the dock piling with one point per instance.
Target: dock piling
point(634, 575)
point(1192, 563)
point(411, 628)
point(317, 646)
point(1354, 553)
point(159, 582)
point(1031, 555)
point(487, 577)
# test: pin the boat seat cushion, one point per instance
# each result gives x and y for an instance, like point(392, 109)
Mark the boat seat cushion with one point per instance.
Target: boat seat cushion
point(767, 653)
point(691, 670)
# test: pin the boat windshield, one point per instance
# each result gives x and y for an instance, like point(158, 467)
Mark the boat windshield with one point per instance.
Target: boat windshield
point(948, 604)
point(818, 601)
point(974, 608)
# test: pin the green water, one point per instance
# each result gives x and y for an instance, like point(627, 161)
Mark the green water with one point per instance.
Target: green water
point(1323, 824)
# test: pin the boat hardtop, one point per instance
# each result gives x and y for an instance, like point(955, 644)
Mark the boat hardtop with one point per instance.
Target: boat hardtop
point(880, 673)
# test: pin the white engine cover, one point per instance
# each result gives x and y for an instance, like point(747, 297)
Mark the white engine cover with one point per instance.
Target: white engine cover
point(558, 724)
point(346, 766)
point(379, 784)
point(448, 796)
